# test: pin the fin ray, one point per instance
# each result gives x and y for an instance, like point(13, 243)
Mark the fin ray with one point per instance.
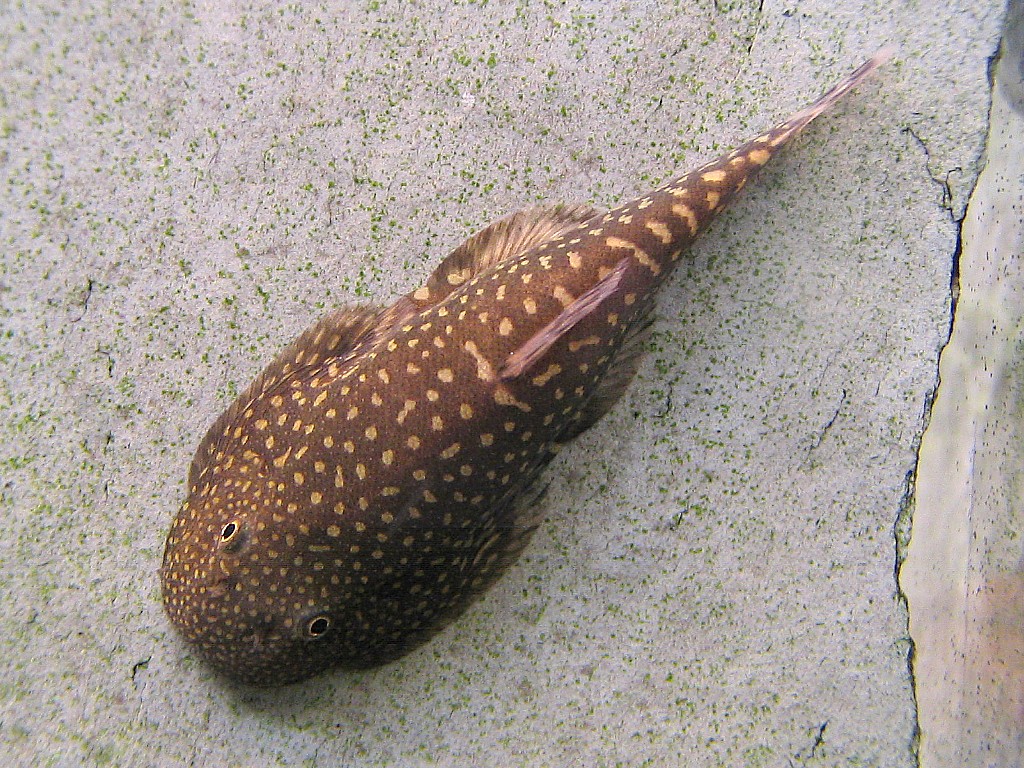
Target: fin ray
point(507, 238)
point(617, 379)
point(524, 358)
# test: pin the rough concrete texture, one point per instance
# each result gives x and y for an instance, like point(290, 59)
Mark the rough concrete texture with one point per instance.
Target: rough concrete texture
point(186, 186)
point(964, 572)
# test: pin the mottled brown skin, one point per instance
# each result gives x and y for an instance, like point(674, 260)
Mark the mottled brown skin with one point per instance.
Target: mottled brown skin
point(381, 473)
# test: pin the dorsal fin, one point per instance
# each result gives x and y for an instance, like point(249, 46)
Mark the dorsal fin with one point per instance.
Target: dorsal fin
point(505, 239)
point(336, 335)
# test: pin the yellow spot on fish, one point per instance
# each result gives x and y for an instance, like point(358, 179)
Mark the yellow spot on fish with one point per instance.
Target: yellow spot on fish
point(590, 341)
point(659, 230)
point(413, 442)
point(446, 375)
point(484, 369)
point(530, 306)
point(502, 396)
point(422, 294)
point(759, 156)
point(714, 177)
point(563, 296)
point(458, 278)
point(553, 370)
point(450, 451)
point(466, 411)
point(638, 253)
point(407, 408)
point(505, 327)
point(575, 260)
point(686, 213)
point(713, 198)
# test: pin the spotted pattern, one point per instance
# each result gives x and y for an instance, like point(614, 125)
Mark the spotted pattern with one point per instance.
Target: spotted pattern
point(380, 474)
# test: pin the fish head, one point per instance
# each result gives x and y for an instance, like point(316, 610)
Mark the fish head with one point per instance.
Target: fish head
point(258, 604)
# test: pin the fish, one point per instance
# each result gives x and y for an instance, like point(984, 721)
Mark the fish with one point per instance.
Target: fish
point(386, 468)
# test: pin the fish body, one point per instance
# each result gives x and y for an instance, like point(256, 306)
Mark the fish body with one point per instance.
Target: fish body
point(383, 470)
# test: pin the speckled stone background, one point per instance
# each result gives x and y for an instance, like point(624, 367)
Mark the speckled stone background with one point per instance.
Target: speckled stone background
point(185, 186)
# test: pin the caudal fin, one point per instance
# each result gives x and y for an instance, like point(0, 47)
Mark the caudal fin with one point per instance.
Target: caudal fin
point(788, 129)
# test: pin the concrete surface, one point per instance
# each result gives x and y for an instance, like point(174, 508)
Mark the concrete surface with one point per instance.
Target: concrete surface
point(186, 186)
point(964, 571)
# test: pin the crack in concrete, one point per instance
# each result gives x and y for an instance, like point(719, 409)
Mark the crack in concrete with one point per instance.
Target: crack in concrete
point(823, 433)
point(804, 755)
point(947, 204)
point(903, 525)
point(901, 535)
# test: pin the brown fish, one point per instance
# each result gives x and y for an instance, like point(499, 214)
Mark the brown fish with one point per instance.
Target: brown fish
point(382, 471)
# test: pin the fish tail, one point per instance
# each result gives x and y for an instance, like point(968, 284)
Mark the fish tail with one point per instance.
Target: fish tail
point(656, 229)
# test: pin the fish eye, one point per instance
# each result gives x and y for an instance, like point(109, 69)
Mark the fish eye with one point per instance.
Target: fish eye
point(318, 626)
point(232, 536)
